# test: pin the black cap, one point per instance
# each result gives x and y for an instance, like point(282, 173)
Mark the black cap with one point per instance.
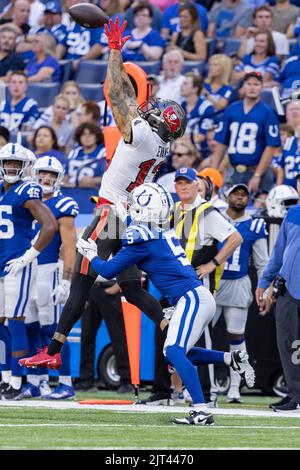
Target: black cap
point(4, 133)
point(253, 74)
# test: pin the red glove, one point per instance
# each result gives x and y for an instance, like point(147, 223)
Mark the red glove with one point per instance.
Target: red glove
point(114, 34)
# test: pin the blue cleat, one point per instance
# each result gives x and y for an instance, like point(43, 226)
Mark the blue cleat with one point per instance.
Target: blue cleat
point(61, 392)
point(30, 391)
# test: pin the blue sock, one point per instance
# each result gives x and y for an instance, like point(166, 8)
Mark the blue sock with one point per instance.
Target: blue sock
point(47, 333)
point(18, 344)
point(5, 348)
point(187, 371)
point(34, 342)
point(65, 369)
point(205, 356)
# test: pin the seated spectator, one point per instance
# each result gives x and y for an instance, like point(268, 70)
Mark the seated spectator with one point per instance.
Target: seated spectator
point(290, 160)
point(170, 18)
point(43, 66)
point(230, 18)
point(9, 60)
point(44, 143)
point(87, 163)
point(262, 59)
point(155, 17)
point(112, 8)
point(153, 85)
point(262, 22)
point(4, 136)
point(56, 116)
point(90, 112)
point(171, 79)
point(216, 88)
point(292, 113)
point(284, 15)
point(18, 17)
point(51, 22)
point(183, 154)
point(289, 74)
point(18, 112)
point(190, 41)
point(72, 91)
point(145, 42)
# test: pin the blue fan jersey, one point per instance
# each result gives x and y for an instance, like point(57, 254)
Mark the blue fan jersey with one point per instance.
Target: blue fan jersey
point(225, 91)
point(199, 118)
point(289, 75)
point(159, 254)
point(24, 112)
point(79, 41)
point(269, 65)
point(247, 134)
point(60, 206)
point(82, 164)
point(58, 31)
point(290, 161)
point(16, 222)
point(238, 264)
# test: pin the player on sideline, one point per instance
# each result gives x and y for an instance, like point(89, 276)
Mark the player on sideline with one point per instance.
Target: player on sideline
point(52, 290)
point(146, 133)
point(149, 243)
point(20, 205)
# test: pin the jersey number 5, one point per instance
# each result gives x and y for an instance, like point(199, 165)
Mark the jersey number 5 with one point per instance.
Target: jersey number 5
point(6, 225)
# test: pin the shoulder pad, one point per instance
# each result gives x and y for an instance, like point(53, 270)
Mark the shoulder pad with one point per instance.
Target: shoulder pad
point(67, 206)
point(258, 226)
point(29, 190)
point(138, 234)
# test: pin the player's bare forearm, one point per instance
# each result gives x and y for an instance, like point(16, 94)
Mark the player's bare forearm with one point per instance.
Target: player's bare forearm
point(121, 94)
point(68, 237)
point(46, 220)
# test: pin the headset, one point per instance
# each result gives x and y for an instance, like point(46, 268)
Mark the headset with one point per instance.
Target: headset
point(208, 185)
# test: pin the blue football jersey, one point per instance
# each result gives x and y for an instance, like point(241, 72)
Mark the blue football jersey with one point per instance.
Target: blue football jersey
point(269, 65)
point(289, 75)
point(290, 161)
point(58, 31)
point(159, 254)
point(82, 164)
point(238, 263)
point(79, 41)
point(16, 222)
point(247, 134)
point(225, 91)
point(24, 112)
point(199, 118)
point(60, 206)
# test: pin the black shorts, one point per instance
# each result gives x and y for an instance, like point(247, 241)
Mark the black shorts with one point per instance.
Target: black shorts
point(106, 230)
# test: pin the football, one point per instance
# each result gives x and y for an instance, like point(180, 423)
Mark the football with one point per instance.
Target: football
point(88, 15)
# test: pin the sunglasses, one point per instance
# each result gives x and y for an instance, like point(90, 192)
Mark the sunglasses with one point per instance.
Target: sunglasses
point(179, 154)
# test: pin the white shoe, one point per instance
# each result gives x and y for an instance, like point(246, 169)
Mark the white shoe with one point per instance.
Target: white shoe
point(239, 363)
point(233, 395)
point(197, 418)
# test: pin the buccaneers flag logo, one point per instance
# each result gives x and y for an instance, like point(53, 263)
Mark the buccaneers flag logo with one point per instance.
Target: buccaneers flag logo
point(171, 118)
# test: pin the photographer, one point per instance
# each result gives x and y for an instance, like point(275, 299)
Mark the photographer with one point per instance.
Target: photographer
point(284, 269)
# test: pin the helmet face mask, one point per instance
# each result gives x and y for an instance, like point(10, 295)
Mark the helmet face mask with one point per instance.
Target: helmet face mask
point(150, 203)
point(165, 117)
point(49, 165)
point(280, 199)
point(13, 153)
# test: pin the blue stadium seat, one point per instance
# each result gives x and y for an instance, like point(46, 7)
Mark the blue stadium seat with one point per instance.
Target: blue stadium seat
point(267, 97)
point(66, 70)
point(211, 47)
point(92, 91)
point(231, 46)
point(191, 65)
point(151, 67)
point(43, 93)
point(91, 71)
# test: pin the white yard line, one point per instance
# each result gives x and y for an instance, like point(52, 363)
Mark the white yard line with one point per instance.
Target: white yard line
point(114, 425)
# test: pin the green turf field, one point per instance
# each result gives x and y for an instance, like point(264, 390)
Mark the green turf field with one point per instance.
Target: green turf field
point(40, 428)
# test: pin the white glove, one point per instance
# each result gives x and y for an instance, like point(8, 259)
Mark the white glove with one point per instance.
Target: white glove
point(87, 248)
point(62, 292)
point(15, 265)
point(168, 312)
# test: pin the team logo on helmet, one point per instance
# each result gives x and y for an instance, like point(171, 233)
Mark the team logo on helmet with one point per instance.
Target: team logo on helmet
point(171, 119)
point(142, 195)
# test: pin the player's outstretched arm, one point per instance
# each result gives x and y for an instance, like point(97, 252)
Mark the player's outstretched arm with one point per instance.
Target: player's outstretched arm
point(119, 87)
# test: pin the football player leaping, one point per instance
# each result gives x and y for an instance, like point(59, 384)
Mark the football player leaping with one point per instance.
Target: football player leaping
point(20, 206)
point(146, 133)
point(156, 250)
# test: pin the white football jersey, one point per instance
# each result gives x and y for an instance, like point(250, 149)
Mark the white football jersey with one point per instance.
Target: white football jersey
point(133, 164)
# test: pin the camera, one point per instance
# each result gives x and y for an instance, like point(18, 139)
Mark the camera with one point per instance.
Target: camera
point(278, 287)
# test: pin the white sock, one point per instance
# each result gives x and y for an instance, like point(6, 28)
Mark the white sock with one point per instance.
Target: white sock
point(201, 407)
point(16, 382)
point(235, 378)
point(44, 377)
point(6, 375)
point(65, 380)
point(33, 379)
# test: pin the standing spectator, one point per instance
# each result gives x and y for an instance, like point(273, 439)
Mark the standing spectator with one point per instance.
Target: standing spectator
point(190, 41)
point(18, 111)
point(145, 42)
point(262, 59)
point(44, 143)
point(155, 17)
point(43, 66)
point(262, 22)
point(170, 18)
point(230, 18)
point(285, 263)
point(86, 164)
point(9, 60)
point(284, 14)
point(72, 91)
point(249, 132)
point(57, 117)
point(171, 79)
point(289, 164)
point(216, 88)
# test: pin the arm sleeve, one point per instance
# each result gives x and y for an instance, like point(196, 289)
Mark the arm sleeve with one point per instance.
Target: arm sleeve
point(126, 257)
point(260, 255)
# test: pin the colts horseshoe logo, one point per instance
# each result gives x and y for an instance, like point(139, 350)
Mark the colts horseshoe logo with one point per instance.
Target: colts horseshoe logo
point(143, 194)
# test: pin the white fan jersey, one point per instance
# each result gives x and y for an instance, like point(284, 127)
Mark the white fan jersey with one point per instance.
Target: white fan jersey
point(133, 164)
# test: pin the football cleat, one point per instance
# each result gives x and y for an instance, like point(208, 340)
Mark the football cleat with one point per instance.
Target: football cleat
point(233, 395)
point(3, 386)
point(239, 362)
point(157, 399)
point(12, 394)
point(30, 391)
point(44, 388)
point(42, 359)
point(291, 406)
point(197, 418)
point(61, 392)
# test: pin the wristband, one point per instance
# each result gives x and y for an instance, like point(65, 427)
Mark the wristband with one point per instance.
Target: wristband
point(31, 254)
point(216, 262)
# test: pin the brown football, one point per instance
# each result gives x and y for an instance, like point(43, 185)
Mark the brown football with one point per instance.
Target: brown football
point(88, 15)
